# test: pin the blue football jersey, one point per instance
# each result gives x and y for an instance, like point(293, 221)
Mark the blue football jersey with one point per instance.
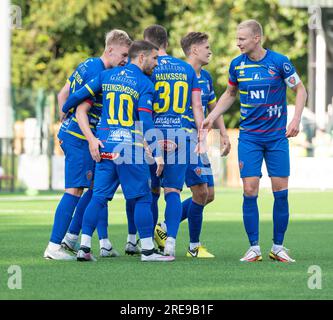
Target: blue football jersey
point(125, 91)
point(174, 81)
point(208, 96)
point(262, 87)
point(70, 130)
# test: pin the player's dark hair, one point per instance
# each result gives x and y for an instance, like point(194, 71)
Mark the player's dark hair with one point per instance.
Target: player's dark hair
point(157, 35)
point(191, 39)
point(140, 46)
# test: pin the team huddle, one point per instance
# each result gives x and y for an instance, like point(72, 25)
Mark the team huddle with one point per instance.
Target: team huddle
point(138, 118)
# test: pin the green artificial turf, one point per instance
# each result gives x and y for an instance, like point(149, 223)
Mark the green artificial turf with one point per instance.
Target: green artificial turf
point(25, 226)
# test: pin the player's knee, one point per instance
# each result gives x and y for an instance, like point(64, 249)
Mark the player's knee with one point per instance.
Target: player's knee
point(251, 190)
point(75, 191)
point(200, 194)
point(211, 196)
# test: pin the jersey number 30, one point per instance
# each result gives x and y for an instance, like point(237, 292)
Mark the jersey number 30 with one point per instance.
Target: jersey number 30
point(165, 96)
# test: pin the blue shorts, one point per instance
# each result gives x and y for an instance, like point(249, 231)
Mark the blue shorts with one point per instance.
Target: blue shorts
point(252, 152)
point(200, 173)
point(133, 178)
point(79, 165)
point(176, 164)
point(155, 181)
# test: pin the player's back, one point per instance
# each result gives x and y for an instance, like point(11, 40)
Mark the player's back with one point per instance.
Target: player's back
point(122, 89)
point(174, 82)
point(85, 71)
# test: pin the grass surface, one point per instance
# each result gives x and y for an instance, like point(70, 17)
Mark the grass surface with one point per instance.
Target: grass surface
point(25, 226)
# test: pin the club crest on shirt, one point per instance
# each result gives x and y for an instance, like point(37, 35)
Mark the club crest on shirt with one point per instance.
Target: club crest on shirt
point(198, 171)
point(292, 80)
point(271, 72)
point(89, 175)
point(167, 145)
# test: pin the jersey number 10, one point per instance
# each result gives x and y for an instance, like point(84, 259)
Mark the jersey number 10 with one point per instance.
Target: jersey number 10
point(120, 117)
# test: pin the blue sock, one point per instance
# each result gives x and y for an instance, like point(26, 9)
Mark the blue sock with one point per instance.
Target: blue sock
point(251, 219)
point(92, 214)
point(186, 204)
point(130, 206)
point(154, 207)
point(63, 217)
point(195, 221)
point(76, 224)
point(102, 224)
point(173, 213)
point(280, 215)
point(143, 217)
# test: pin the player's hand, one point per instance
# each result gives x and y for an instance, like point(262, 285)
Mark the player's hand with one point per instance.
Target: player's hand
point(62, 116)
point(94, 146)
point(201, 146)
point(225, 145)
point(147, 149)
point(207, 123)
point(160, 165)
point(293, 128)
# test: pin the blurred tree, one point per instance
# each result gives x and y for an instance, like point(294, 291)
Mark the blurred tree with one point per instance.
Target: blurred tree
point(58, 34)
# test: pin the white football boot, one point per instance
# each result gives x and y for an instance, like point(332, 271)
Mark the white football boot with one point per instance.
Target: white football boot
point(108, 253)
point(70, 245)
point(170, 248)
point(281, 255)
point(153, 255)
point(57, 254)
point(252, 255)
point(132, 248)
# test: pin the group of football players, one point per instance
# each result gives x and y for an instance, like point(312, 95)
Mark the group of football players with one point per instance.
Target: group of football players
point(135, 118)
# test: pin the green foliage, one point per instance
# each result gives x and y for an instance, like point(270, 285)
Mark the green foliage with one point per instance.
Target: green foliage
point(58, 34)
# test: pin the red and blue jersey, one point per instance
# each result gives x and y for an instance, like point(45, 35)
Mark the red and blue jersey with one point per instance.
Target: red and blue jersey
point(262, 86)
point(87, 70)
point(174, 81)
point(126, 93)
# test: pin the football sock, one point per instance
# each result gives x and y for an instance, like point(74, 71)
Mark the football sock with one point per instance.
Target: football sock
point(143, 217)
point(54, 246)
point(72, 237)
point(131, 238)
point(130, 205)
point(147, 243)
point(85, 241)
point(173, 212)
point(194, 245)
point(154, 207)
point(102, 223)
point(251, 218)
point(277, 247)
point(256, 249)
point(93, 212)
point(280, 216)
point(76, 224)
point(63, 217)
point(105, 243)
point(185, 208)
point(195, 221)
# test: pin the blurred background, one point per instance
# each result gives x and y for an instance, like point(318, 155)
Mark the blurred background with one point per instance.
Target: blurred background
point(43, 41)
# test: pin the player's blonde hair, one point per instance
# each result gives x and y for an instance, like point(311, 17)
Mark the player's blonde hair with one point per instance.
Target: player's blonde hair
point(117, 37)
point(254, 25)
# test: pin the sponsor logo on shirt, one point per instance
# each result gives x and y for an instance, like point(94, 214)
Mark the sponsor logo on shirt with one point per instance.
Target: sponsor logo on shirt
point(287, 67)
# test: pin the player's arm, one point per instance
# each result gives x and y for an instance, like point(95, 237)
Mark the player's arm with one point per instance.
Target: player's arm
point(219, 124)
point(88, 91)
point(146, 116)
point(224, 103)
point(83, 121)
point(62, 97)
point(301, 96)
